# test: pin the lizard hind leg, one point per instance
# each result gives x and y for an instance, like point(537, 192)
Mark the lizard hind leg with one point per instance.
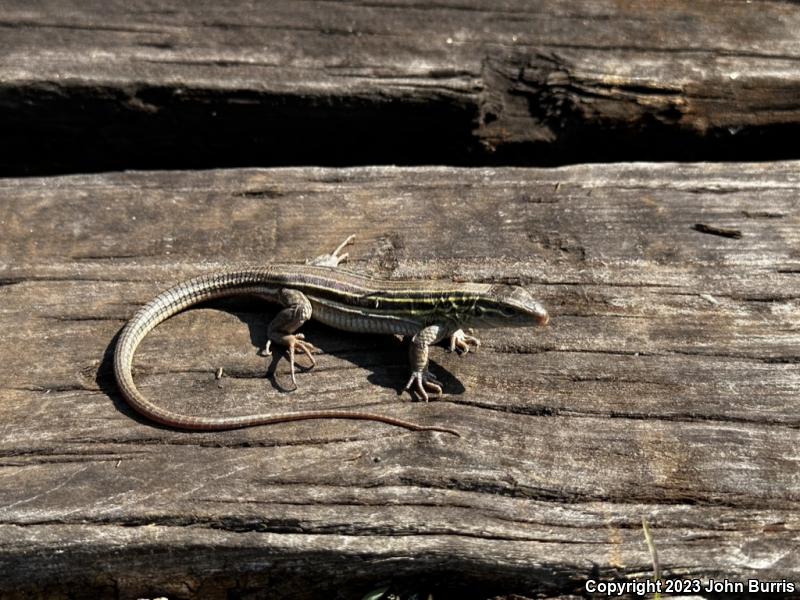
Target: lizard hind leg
point(334, 258)
point(282, 328)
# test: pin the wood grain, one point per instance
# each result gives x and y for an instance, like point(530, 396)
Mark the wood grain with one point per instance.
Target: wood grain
point(665, 387)
point(97, 85)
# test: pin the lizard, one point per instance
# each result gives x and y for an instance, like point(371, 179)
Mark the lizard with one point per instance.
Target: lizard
point(425, 312)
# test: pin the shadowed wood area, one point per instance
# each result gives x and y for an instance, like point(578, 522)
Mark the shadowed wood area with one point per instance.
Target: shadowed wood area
point(171, 84)
point(665, 387)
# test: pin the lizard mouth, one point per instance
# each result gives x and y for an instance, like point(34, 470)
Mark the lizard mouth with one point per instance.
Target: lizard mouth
point(540, 314)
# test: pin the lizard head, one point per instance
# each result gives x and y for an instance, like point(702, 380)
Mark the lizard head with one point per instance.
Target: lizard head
point(509, 306)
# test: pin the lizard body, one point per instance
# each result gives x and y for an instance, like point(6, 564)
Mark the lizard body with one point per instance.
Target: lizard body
point(425, 312)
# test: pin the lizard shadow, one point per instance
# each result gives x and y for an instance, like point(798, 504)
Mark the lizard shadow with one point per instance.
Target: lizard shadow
point(256, 321)
point(384, 356)
point(106, 383)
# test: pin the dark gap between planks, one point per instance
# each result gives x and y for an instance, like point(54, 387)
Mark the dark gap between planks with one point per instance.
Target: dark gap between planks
point(74, 129)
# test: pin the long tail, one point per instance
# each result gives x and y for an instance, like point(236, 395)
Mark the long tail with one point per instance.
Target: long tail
point(187, 294)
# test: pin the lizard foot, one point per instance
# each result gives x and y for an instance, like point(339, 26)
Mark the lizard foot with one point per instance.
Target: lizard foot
point(334, 258)
point(461, 342)
point(293, 343)
point(423, 382)
point(296, 342)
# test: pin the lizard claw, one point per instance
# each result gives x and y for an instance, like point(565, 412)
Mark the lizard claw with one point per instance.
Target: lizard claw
point(424, 381)
point(460, 342)
point(295, 342)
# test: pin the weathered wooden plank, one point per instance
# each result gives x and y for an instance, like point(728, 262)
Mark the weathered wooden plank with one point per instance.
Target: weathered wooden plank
point(98, 85)
point(666, 386)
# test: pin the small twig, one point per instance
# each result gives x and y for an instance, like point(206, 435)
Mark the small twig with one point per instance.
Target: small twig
point(709, 298)
point(714, 230)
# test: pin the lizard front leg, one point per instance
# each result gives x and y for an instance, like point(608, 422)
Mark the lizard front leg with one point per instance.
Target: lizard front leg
point(282, 328)
point(421, 378)
point(461, 342)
